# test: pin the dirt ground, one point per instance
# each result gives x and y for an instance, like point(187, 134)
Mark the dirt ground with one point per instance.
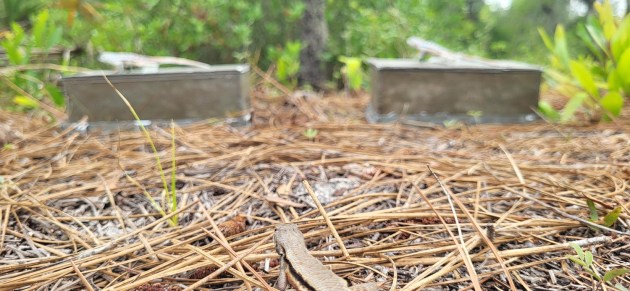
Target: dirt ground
point(75, 212)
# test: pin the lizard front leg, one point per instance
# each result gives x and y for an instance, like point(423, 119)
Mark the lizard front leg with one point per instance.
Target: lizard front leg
point(281, 283)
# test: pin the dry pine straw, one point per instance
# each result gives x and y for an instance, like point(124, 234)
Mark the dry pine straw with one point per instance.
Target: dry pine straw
point(71, 220)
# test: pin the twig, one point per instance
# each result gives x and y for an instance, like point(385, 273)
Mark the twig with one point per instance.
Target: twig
point(228, 265)
point(84, 281)
point(480, 232)
point(322, 211)
point(220, 238)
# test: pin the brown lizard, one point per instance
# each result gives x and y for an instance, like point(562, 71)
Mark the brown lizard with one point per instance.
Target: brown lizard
point(303, 271)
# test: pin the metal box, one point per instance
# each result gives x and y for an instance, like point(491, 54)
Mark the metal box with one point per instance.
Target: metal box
point(176, 93)
point(489, 91)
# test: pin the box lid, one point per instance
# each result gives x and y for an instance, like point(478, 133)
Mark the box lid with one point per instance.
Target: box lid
point(170, 73)
point(444, 64)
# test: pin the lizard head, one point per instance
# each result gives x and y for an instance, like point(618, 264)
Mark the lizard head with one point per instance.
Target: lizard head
point(287, 233)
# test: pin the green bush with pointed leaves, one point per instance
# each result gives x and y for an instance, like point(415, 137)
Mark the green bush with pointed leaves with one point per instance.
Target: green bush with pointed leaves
point(597, 83)
point(25, 88)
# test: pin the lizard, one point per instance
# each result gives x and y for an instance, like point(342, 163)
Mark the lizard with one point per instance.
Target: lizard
point(301, 269)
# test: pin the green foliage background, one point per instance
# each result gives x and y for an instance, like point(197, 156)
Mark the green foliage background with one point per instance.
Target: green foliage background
point(227, 31)
point(266, 33)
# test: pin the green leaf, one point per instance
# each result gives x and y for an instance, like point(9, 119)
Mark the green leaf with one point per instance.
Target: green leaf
point(294, 47)
point(173, 203)
point(557, 76)
point(548, 111)
point(12, 45)
point(281, 70)
point(54, 37)
point(546, 39)
point(16, 55)
point(561, 48)
point(595, 31)
point(578, 250)
point(606, 18)
point(612, 103)
point(584, 77)
point(623, 71)
point(593, 210)
point(620, 287)
point(620, 42)
point(353, 71)
point(578, 261)
point(572, 106)
point(288, 62)
point(18, 33)
point(55, 94)
point(25, 101)
point(39, 29)
point(590, 42)
point(588, 258)
point(295, 12)
point(612, 274)
point(600, 72)
point(614, 81)
point(612, 217)
point(311, 133)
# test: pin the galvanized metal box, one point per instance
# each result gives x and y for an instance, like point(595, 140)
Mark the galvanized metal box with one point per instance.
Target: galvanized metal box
point(496, 91)
point(169, 93)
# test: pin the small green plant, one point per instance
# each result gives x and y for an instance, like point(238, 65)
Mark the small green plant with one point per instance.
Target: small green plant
point(608, 220)
point(310, 133)
point(585, 260)
point(352, 72)
point(475, 114)
point(30, 86)
point(173, 194)
point(287, 62)
point(453, 124)
point(166, 192)
point(597, 83)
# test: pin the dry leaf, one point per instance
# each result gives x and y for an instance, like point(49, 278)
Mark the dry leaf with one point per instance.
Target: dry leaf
point(233, 226)
point(202, 272)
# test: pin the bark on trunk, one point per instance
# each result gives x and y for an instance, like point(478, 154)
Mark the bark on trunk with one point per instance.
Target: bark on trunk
point(314, 33)
point(473, 7)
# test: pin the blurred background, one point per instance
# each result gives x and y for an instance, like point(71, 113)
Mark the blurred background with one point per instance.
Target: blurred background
point(269, 34)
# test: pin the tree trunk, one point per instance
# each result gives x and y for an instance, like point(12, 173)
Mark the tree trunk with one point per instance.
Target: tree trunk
point(473, 7)
point(314, 34)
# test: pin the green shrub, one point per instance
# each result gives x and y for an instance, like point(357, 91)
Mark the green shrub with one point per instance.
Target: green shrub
point(217, 31)
point(18, 10)
point(26, 87)
point(353, 72)
point(228, 31)
point(599, 82)
point(287, 61)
